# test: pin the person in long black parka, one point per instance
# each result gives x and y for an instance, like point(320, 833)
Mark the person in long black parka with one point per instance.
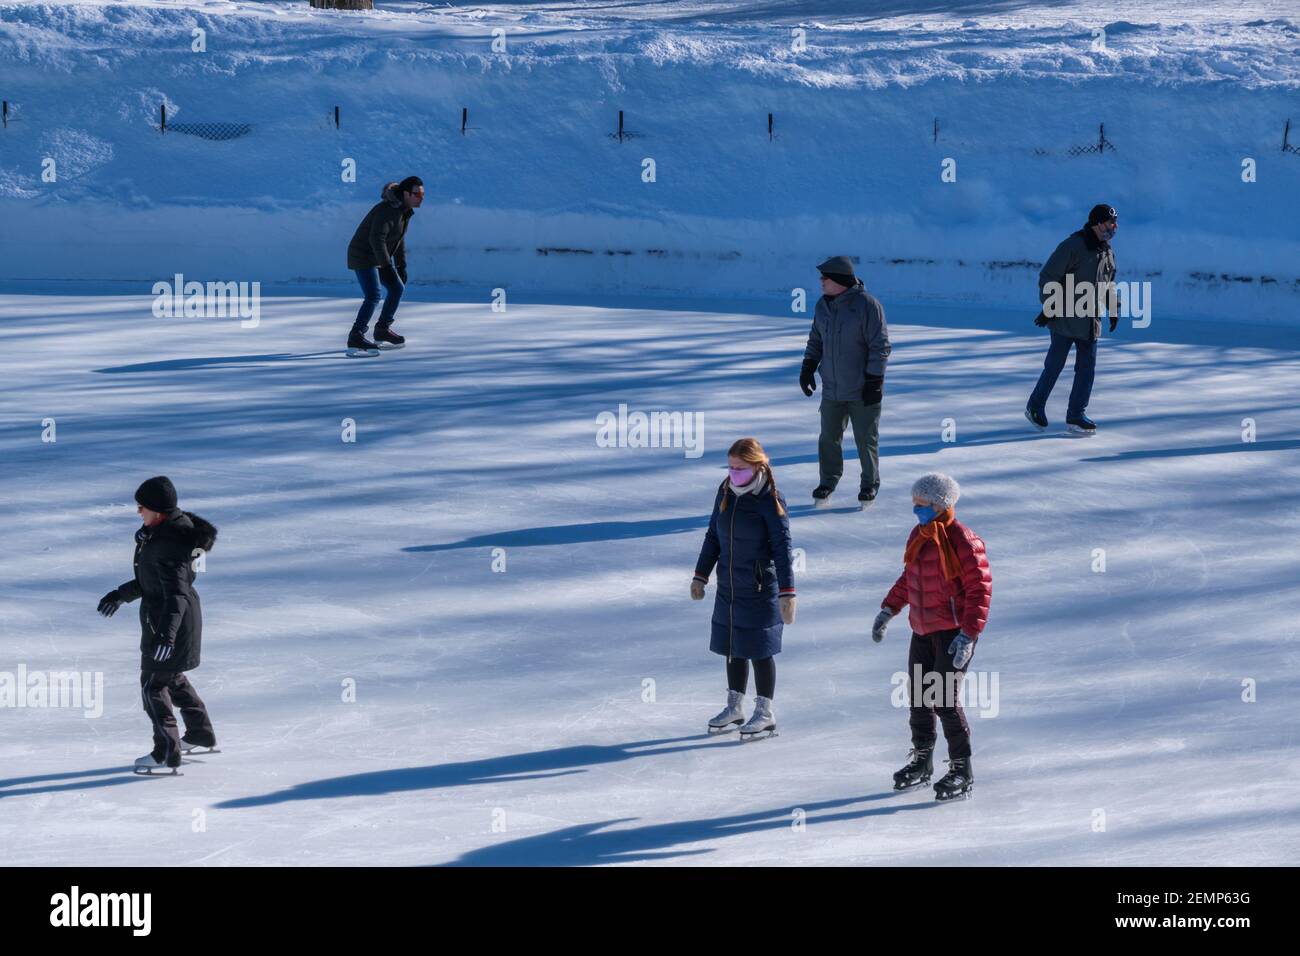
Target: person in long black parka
point(171, 622)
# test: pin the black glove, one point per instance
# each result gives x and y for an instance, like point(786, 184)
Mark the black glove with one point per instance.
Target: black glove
point(401, 272)
point(1114, 322)
point(162, 651)
point(874, 390)
point(1041, 321)
point(109, 603)
point(387, 274)
point(806, 380)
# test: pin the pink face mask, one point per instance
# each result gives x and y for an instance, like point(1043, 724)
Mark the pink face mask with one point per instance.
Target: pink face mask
point(741, 476)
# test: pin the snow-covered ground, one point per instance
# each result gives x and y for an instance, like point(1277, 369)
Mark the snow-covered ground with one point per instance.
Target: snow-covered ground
point(538, 196)
point(465, 636)
point(505, 716)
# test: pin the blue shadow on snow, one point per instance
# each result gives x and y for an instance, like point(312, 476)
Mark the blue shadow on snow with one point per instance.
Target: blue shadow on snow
point(601, 531)
point(590, 844)
point(538, 765)
point(218, 361)
point(1280, 445)
point(111, 777)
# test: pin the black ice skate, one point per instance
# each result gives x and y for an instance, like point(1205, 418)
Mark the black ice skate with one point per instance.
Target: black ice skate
point(918, 770)
point(822, 496)
point(359, 346)
point(1036, 418)
point(958, 782)
point(386, 338)
point(1083, 425)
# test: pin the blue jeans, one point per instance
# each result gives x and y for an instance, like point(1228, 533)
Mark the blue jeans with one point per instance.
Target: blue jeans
point(370, 279)
point(1085, 367)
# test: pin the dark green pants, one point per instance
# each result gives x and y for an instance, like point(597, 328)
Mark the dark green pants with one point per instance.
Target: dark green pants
point(866, 435)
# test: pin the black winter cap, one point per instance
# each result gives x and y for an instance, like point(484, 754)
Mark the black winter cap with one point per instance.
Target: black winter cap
point(157, 494)
point(1102, 213)
point(836, 265)
point(839, 269)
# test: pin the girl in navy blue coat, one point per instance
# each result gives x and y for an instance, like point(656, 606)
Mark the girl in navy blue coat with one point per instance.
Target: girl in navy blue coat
point(749, 542)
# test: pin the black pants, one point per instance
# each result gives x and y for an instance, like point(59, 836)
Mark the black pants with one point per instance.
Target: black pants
point(939, 693)
point(158, 690)
point(764, 676)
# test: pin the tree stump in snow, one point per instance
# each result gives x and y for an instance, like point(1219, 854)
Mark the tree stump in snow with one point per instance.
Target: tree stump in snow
point(344, 4)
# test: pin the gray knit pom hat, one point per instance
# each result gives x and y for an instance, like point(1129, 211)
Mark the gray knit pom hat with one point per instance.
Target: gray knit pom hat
point(938, 489)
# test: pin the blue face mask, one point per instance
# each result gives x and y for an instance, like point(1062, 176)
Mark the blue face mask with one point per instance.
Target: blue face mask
point(924, 513)
point(1108, 232)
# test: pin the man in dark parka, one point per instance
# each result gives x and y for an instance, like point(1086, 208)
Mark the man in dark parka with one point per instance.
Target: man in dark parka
point(1083, 259)
point(377, 254)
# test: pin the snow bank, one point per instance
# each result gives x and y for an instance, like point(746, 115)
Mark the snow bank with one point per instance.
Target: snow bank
point(538, 196)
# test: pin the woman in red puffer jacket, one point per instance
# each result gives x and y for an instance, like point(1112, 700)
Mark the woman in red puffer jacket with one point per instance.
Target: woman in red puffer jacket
point(946, 585)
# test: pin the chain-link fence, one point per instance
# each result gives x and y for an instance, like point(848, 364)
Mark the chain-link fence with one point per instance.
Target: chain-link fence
point(220, 131)
point(214, 131)
point(1100, 147)
point(1287, 145)
point(217, 131)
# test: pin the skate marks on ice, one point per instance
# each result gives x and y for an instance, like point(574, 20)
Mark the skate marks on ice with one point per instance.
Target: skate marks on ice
point(605, 842)
point(1070, 628)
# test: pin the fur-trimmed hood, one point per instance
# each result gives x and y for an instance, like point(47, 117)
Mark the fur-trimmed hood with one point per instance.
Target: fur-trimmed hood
point(390, 195)
point(204, 534)
point(191, 529)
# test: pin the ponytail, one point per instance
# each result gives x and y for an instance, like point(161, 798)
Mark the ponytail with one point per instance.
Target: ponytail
point(776, 496)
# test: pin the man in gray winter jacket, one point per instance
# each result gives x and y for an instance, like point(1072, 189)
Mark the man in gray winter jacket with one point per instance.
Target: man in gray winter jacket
point(849, 345)
point(1075, 285)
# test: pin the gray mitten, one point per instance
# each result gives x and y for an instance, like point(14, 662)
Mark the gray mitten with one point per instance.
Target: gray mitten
point(961, 649)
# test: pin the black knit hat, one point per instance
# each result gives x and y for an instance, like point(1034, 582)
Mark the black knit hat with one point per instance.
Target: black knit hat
point(157, 494)
point(1102, 213)
point(839, 269)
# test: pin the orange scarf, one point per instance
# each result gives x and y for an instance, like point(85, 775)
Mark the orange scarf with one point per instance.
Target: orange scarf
point(936, 531)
